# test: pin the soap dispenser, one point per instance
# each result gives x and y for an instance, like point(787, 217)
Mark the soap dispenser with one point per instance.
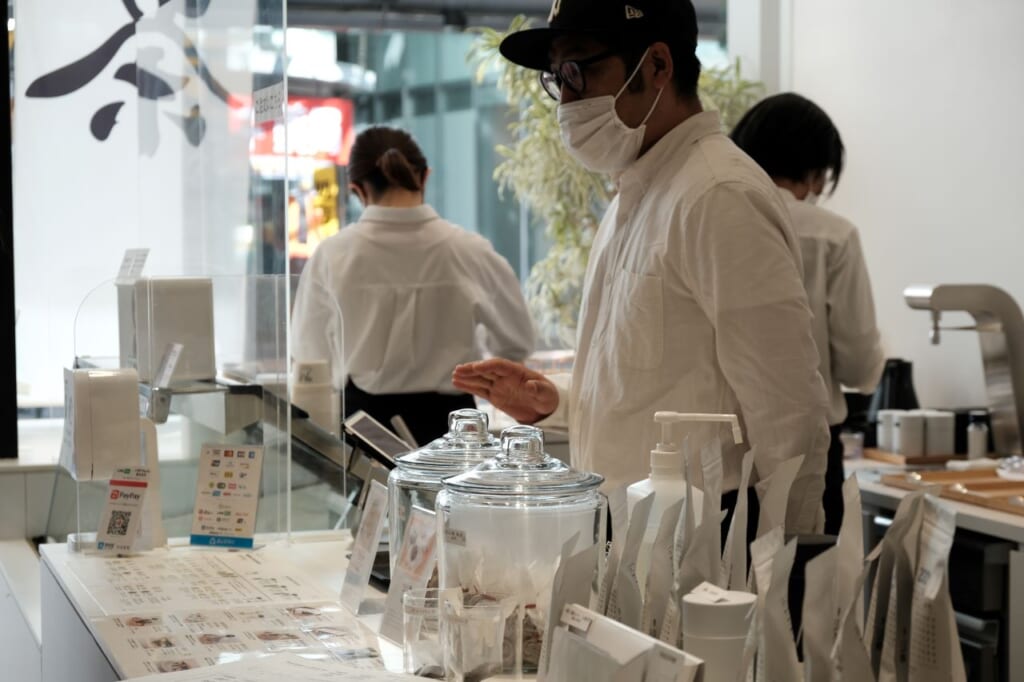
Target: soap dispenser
point(668, 479)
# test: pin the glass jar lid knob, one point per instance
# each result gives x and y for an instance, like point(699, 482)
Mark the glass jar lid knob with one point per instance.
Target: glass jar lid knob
point(467, 424)
point(523, 446)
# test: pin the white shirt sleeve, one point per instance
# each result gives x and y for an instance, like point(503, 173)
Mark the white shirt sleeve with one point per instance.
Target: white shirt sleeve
point(559, 419)
point(745, 276)
point(317, 325)
point(854, 341)
point(508, 326)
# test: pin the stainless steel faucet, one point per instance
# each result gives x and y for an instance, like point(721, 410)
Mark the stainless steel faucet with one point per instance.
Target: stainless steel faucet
point(1000, 326)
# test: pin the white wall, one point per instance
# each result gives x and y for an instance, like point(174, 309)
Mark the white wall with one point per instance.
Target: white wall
point(929, 98)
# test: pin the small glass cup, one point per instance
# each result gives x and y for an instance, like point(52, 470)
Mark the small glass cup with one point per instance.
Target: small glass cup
point(421, 647)
point(473, 635)
point(853, 444)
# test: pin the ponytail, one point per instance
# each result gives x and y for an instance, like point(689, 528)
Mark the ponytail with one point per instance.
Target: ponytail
point(398, 171)
point(384, 158)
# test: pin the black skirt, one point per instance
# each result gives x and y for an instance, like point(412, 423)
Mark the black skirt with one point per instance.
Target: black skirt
point(426, 414)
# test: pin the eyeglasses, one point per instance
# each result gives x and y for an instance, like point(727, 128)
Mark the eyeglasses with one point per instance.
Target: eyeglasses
point(571, 74)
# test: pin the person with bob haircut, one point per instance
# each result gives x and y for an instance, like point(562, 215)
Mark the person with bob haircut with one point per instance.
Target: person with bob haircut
point(799, 147)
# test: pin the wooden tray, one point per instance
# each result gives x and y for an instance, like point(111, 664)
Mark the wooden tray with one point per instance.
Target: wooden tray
point(913, 480)
point(982, 487)
point(905, 460)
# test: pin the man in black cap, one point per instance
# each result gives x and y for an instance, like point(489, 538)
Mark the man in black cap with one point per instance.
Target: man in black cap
point(693, 299)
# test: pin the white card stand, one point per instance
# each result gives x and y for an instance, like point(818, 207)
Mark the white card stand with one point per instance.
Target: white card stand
point(152, 534)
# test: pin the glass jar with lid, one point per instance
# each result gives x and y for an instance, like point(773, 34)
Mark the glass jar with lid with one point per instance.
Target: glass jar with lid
point(416, 479)
point(501, 528)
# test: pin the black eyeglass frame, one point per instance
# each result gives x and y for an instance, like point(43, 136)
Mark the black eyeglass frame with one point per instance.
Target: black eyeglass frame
point(557, 77)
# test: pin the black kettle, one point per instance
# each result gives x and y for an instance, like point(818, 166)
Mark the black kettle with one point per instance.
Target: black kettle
point(895, 392)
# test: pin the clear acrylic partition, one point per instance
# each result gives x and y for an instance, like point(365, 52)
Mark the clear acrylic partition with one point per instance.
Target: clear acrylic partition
point(213, 192)
point(230, 389)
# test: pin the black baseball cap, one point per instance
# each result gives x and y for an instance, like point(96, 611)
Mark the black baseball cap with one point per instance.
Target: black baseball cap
point(618, 22)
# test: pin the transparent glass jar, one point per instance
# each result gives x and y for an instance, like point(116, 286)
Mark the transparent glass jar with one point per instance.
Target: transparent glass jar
point(416, 480)
point(501, 528)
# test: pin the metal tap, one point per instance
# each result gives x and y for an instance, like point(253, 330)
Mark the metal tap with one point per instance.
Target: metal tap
point(1000, 327)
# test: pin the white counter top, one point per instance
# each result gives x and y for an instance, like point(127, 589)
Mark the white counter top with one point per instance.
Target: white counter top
point(971, 517)
point(320, 556)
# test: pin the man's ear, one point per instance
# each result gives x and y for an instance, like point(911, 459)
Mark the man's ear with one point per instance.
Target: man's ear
point(664, 68)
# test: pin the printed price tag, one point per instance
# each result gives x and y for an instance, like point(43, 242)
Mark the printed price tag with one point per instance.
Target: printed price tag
point(122, 515)
point(131, 266)
point(576, 619)
point(364, 549)
point(227, 495)
point(268, 104)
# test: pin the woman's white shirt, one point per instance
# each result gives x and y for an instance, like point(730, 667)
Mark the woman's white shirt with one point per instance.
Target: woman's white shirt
point(839, 293)
point(400, 297)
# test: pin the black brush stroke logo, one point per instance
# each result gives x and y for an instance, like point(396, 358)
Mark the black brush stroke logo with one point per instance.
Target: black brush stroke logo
point(149, 86)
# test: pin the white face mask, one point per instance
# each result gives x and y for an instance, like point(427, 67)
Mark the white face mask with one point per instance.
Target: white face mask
point(593, 132)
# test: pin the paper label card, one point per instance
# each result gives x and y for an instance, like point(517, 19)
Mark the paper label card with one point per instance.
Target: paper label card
point(131, 266)
point(122, 514)
point(227, 495)
point(364, 549)
point(167, 365)
point(576, 618)
point(268, 104)
point(415, 565)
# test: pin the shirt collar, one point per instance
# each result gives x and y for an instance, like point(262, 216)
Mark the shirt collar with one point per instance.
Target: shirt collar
point(391, 214)
point(788, 195)
point(688, 132)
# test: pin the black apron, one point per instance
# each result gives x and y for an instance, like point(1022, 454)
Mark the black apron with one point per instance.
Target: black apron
point(426, 414)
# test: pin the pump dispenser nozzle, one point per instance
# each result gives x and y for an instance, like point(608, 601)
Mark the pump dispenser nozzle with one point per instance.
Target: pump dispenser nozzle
point(666, 419)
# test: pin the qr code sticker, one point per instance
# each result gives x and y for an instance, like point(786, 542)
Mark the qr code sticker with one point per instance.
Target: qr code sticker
point(119, 522)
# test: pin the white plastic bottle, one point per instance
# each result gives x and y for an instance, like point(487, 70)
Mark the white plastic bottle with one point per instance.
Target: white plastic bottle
point(977, 435)
point(668, 480)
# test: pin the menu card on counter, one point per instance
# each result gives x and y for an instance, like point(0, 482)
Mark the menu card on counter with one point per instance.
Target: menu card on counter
point(364, 549)
point(416, 561)
point(158, 642)
point(227, 495)
point(277, 668)
point(191, 579)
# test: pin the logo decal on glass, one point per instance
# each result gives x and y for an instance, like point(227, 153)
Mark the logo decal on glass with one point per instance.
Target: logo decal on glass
point(149, 84)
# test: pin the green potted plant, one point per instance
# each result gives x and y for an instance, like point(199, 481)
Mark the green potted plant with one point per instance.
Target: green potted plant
point(560, 193)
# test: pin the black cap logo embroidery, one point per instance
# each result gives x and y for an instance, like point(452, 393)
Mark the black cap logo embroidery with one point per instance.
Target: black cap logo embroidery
point(631, 12)
point(555, 7)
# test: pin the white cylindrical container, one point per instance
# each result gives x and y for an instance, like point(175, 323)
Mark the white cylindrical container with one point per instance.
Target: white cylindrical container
point(939, 432)
point(908, 434)
point(977, 435)
point(885, 419)
point(715, 625)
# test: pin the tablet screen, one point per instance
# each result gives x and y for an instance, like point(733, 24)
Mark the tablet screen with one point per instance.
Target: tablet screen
point(382, 443)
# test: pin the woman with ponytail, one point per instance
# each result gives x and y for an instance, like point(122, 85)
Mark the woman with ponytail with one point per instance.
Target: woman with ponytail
point(417, 295)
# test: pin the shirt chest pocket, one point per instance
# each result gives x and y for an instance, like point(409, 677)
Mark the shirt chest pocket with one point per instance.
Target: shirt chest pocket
point(637, 327)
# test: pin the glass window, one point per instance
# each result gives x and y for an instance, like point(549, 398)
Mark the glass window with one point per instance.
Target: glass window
point(339, 83)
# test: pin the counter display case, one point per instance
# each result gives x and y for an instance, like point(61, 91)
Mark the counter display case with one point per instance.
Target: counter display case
point(210, 357)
